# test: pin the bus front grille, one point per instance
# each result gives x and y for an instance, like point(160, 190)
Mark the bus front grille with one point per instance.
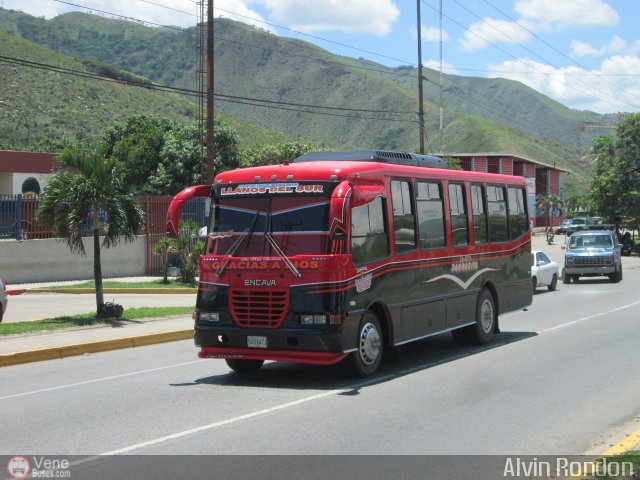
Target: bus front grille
point(259, 308)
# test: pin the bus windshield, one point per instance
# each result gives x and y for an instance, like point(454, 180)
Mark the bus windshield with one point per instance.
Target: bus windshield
point(241, 226)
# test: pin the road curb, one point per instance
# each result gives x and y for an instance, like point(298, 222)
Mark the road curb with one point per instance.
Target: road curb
point(116, 290)
point(16, 358)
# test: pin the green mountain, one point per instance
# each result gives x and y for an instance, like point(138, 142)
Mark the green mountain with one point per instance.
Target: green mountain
point(53, 98)
point(365, 104)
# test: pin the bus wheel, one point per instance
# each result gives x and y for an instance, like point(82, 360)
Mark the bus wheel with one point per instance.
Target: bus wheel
point(366, 359)
point(244, 366)
point(480, 332)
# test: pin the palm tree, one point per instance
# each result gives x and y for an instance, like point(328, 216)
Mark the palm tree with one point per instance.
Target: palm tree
point(547, 204)
point(87, 187)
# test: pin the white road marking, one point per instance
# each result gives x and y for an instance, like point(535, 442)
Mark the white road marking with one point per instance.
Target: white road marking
point(247, 416)
point(97, 380)
point(590, 317)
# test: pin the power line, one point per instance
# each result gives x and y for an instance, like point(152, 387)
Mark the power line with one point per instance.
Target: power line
point(552, 47)
point(279, 105)
point(316, 37)
point(526, 48)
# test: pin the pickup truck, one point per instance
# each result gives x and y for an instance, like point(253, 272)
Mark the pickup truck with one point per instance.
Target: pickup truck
point(590, 253)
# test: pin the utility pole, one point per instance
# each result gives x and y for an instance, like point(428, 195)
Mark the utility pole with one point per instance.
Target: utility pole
point(420, 92)
point(211, 153)
point(440, 94)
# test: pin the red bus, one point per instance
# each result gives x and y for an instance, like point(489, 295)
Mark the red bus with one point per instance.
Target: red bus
point(338, 255)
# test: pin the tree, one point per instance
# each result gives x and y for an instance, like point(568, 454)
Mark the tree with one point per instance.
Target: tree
point(138, 143)
point(89, 188)
point(163, 248)
point(189, 247)
point(275, 154)
point(574, 204)
point(452, 163)
point(226, 142)
point(180, 162)
point(548, 204)
point(162, 157)
point(616, 175)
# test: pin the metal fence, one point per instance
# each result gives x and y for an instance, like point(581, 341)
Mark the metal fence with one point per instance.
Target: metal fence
point(19, 221)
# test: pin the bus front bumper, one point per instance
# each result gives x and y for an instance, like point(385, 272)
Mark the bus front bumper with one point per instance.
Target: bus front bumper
point(315, 358)
point(319, 347)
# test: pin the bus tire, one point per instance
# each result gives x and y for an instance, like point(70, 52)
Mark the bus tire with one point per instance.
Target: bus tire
point(481, 332)
point(244, 366)
point(366, 359)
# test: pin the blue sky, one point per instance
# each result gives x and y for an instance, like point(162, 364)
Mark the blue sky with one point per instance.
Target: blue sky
point(582, 53)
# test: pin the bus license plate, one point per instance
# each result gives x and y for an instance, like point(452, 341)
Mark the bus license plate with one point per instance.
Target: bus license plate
point(256, 342)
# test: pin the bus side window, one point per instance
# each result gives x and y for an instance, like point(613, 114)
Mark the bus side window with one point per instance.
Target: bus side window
point(497, 209)
point(517, 212)
point(404, 220)
point(369, 239)
point(478, 208)
point(430, 215)
point(459, 225)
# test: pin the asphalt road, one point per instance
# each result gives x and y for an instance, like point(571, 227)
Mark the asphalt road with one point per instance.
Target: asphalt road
point(33, 306)
point(560, 379)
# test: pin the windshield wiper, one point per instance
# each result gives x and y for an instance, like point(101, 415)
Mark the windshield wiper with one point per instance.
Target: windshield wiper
point(232, 249)
point(281, 254)
point(230, 253)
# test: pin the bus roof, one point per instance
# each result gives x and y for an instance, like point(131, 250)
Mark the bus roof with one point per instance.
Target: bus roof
point(354, 166)
point(382, 156)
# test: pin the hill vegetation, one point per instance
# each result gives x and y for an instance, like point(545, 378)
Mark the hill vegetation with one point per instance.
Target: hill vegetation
point(313, 96)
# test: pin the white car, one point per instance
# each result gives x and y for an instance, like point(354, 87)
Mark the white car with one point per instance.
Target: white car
point(544, 271)
point(3, 299)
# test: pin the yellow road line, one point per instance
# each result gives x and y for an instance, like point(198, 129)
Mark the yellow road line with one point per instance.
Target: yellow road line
point(16, 358)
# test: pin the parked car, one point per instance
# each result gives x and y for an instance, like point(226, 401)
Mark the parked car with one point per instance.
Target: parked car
point(3, 299)
point(544, 271)
point(590, 253)
point(571, 225)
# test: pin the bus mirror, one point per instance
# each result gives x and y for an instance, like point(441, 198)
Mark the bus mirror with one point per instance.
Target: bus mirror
point(175, 207)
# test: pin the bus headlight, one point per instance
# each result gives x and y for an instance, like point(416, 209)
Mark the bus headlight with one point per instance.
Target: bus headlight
point(320, 319)
point(209, 316)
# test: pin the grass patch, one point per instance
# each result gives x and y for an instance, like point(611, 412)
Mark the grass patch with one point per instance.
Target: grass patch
point(115, 284)
point(87, 319)
point(623, 460)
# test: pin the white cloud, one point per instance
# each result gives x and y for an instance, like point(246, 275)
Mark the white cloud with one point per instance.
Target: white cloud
point(584, 49)
point(490, 30)
point(354, 16)
point(561, 13)
point(596, 90)
point(429, 34)
point(182, 13)
point(446, 67)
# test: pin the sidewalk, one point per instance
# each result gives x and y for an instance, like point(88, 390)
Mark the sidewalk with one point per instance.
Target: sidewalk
point(35, 347)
